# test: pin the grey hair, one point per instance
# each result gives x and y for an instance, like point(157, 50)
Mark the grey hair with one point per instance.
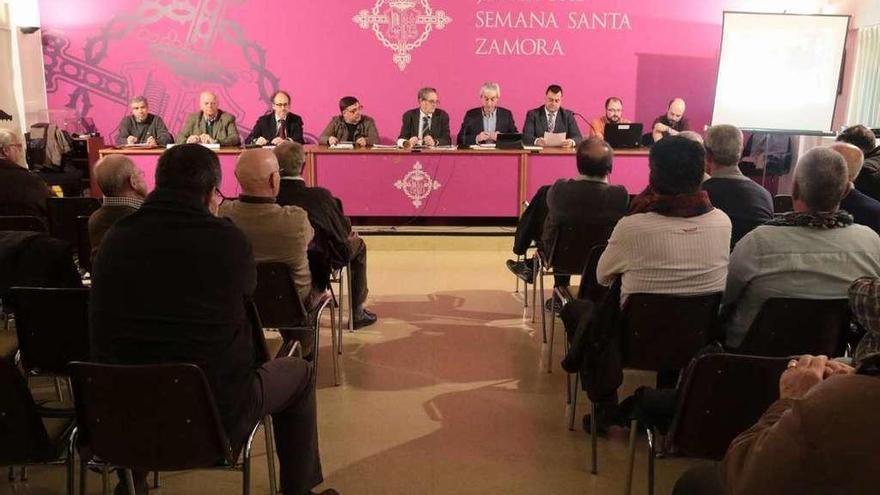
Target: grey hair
point(821, 179)
point(113, 173)
point(424, 92)
point(724, 144)
point(8, 137)
point(490, 86)
point(291, 158)
point(138, 99)
point(692, 135)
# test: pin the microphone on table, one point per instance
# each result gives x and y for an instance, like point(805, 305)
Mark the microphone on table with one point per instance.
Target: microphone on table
point(586, 122)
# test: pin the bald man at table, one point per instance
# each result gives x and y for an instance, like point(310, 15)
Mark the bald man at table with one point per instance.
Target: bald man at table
point(210, 125)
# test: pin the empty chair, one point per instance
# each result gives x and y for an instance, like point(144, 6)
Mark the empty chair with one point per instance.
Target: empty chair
point(31, 435)
point(22, 222)
point(782, 203)
point(721, 396)
point(62, 214)
point(280, 307)
point(155, 418)
point(789, 326)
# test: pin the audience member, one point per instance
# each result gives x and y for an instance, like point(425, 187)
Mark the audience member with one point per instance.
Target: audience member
point(336, 244)
point(814, 252)
point(743, 200)
point(802, 444)
point(277, 233)
point(864, 300)
point(586, 199)
point(864, 209)
point(124, 189)
point(868, 180)
point(21, 192)
point(170, 285)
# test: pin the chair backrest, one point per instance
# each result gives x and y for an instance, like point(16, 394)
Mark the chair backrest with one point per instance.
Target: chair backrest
point(276, 298)
point(62, 214)
point(590, 287)
point(788, 326)
point(52, 327)
point(782, 203)
point(722, 396)
point(569, 251)
point(22, 222)
point(83, 243)
point(158, 417)
point(664, 332)
point(24, 436)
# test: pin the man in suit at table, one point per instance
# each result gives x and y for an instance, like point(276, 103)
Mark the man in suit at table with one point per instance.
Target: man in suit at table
point(278, 126)
point(551, 117)
point(427, 124)
point(484, 123)
point(210, 125)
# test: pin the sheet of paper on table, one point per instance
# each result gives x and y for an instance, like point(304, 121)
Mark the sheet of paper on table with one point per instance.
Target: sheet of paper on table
point(342, 145)
point(483, 146)
point(385, 147)
point(554, 139)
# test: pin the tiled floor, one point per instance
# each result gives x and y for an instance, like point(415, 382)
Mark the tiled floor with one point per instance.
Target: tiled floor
point(443, 396)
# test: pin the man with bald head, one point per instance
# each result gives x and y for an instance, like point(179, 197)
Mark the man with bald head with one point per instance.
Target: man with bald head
point(813, 252)
point(21, 191)
point(864, 209)
point(277, 233)
point(124, 189)
point(209, 125)
point(672, 122)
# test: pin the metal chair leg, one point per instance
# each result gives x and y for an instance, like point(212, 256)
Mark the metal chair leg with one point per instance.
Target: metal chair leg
point(350, 299)
point(651, 453)
point(633, 433)
point(105, 480)
point(552, 334)
point(573, 393)
point(155, 479)
point(58, 390)
point(535, 288)
point(24, 475)
point(129, 481)
point(246, 463)
point(334, 344)
point(268, 429)
point(71, 466)
point(594, 434)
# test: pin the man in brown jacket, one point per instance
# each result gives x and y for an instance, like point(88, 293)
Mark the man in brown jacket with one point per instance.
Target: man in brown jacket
point(210, 125)
point(124, 189)
point(351, 125)
point(821, 437)
point(277, 233)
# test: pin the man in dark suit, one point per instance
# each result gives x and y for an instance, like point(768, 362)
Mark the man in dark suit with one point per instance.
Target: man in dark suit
point(124, 189)
point(868, 180)
point(335, 244)
point(551, 117)
point(864, 209)
point(21, 192)
point(426, 125)
point(279, 126)
point(193, 273)
point(482, 124)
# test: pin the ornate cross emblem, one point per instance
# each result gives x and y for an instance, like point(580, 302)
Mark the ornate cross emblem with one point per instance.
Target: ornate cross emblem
point(417, 185)
point(401, 25)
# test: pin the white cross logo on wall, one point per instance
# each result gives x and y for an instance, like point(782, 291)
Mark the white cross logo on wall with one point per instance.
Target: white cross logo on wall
point(402, 25)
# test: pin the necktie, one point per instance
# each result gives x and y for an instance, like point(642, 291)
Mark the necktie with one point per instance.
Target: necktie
point(551, 121)
point(426, 124)
point(282, 133)
point(209, 128)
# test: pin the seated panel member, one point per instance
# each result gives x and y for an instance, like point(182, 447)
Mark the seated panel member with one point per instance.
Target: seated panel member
point(210, 124)
point(672, 122)
point(482, 124)
point(553, 118)
point(613, 115)
point(427, 124)
point(279, 125)
point(351, 125)
point(142, 127)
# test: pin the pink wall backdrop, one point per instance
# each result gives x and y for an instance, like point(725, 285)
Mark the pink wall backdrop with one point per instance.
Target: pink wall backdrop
point(103, 52)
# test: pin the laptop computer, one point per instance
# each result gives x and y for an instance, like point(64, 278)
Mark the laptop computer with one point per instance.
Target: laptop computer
point(623, 135)
point(509, 141)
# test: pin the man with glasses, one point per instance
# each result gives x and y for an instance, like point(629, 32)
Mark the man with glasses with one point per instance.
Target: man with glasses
point(552, 118)
point(210, 125)
point(613, 115)
point(21, 192)
point(484, 123)
point(426, 125)
point(279, 125)
point(351, 126)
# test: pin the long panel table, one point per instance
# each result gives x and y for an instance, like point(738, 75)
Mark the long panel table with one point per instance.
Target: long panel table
point(428, 183)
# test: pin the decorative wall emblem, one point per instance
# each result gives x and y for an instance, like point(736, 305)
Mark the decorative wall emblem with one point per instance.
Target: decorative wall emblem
point(417, 185)
point(402, 25)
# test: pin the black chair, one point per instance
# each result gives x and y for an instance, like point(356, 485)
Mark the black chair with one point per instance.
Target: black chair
point(722, 396)
point(789, 326)
point(280, 307)
point(782, 203)
point(662, 333)
point(83, 243)
point(567, 255)
point(22, 223)
point(31, 435)
point(62, 214)
point(119, 423)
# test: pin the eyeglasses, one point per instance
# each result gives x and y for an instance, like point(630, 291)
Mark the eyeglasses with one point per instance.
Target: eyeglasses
point(432, 102)
point(355, 109)
point(281, 105)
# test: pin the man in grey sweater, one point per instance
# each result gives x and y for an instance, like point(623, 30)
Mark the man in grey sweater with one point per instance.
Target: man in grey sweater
point(142, 127)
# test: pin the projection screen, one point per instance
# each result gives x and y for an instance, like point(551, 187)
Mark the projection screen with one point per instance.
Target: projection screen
point(779, 72)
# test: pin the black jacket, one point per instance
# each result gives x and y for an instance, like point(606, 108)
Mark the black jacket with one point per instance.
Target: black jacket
point(473, 124)
point(536, 125)
point(267, 128)
point(439, 129)
point(21, 191)
point(169, 285)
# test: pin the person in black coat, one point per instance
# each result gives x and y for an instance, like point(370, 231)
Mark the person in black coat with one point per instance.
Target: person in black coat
point(21, 191)
point(551, 117)
point(474, 128)
point(426, 125)
point(170, 284)
point(279, 126)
